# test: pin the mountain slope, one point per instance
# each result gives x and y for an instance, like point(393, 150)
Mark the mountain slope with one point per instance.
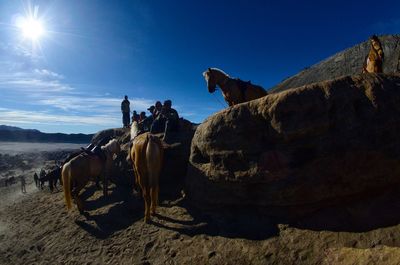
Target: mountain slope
point(10, 133)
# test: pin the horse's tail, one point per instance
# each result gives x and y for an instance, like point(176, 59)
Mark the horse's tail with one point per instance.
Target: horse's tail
point(154, 156)
point(66, 178)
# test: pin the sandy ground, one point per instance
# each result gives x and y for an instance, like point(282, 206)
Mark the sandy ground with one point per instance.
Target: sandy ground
point(36, 228)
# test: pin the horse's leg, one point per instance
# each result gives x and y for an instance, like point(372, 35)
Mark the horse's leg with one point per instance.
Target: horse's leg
point(98, 183)
point(154, 200)
point(55, 183)
point(75, 196)
point(147, 202)
point(105, 186)
point(51, 185)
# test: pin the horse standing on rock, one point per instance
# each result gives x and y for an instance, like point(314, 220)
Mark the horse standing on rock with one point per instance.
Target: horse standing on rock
point(374, 60)
point(147, 154)
point(234, 91)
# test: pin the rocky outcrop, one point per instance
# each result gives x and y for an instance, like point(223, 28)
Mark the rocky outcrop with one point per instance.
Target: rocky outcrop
point(347, 62)
point(311, 145)
point(123, 134)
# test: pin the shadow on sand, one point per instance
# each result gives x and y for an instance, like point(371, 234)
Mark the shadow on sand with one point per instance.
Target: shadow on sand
point(125, 210)
point(358, 214)
point(365, 213)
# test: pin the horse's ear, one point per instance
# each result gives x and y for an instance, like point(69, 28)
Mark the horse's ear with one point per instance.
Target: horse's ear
point(209, 69)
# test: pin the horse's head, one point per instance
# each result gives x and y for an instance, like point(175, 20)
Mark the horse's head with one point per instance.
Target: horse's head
point(375, 42)
point(210, 79)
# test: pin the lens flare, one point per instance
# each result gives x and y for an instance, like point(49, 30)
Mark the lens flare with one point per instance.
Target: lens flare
point(31, 28)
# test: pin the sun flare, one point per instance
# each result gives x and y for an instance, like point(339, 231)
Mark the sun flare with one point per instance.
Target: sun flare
point(31, 28)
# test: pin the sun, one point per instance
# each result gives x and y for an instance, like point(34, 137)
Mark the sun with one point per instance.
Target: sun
point(31, 28)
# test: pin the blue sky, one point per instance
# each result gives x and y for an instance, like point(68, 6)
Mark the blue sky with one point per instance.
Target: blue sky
point(73, 78)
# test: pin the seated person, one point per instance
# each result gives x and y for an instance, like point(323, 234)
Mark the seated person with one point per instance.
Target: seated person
point(157, 109)
point(135, 116)
point(166, 121)
point(142, 116)
point(172, 123)
point(145, 124)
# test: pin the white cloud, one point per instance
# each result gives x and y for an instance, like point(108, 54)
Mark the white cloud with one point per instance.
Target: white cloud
point(37, 80)
point(31, 84)
point(46, 98)
point(86, 103)
point(15, 116)
point(48, 74)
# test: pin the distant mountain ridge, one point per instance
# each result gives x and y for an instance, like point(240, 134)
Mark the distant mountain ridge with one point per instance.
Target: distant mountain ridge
point(11, 133)
point(346, 62)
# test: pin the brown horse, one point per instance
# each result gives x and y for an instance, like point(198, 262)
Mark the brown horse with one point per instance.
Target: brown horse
point(78, 171)
point(147, 156)
point(234, 91)
point(373, 62)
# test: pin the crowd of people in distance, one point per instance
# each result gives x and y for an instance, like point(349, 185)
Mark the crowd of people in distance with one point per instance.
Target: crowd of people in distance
point(162, 118)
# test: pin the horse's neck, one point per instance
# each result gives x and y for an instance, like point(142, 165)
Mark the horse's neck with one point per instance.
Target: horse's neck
point(221, 79)
point(134, 130)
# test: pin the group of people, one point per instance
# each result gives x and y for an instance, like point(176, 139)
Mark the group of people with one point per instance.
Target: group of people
point(138, 117)
point(37, 178)
point(163, 118)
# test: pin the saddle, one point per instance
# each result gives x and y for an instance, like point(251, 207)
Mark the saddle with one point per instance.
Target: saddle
point(242, 87)
point(95, 151)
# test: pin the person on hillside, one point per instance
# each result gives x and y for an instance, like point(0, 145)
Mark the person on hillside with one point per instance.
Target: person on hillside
point(125, 109)
point(23, 184)
point(42, 174)
point(36, 179)
point(374, 61)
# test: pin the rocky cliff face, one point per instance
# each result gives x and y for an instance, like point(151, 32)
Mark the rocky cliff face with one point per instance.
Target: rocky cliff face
point(347, 62)
point(315, 144)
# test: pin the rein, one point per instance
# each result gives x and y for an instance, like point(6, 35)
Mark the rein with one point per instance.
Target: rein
point(219, 101)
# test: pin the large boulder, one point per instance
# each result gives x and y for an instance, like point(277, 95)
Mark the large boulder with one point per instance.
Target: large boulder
point(311, 145)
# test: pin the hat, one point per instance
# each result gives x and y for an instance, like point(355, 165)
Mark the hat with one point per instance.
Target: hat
point(151, 108)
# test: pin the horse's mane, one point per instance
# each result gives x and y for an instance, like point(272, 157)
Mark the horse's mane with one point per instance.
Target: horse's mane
point(134, 130)
point(111, 146)
point(214, 69)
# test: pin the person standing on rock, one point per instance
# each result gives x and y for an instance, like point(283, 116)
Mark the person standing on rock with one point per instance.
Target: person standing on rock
point(125, 109)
